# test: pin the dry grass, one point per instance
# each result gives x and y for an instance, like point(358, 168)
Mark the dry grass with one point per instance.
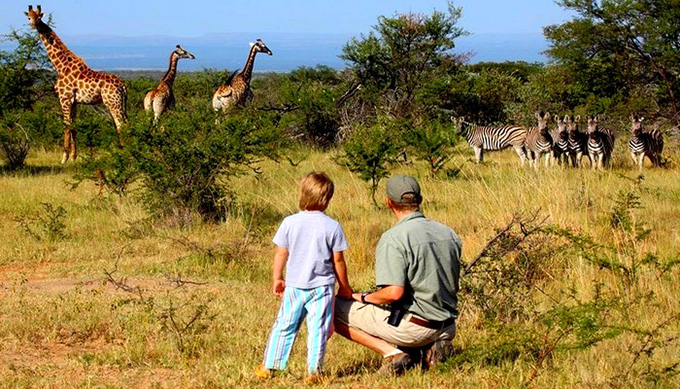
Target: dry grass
point(63, 325)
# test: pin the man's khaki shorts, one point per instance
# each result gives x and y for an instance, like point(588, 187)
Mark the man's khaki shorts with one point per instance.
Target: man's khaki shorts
point(372, 320)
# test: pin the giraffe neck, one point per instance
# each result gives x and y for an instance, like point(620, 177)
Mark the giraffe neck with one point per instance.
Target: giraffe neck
point(247, 71)
point(169, 76)
point(57, 52)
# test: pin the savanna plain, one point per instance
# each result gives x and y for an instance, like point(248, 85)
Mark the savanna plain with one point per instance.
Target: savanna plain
point(94, 293)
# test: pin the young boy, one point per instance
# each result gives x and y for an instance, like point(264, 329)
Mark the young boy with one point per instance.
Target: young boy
point(310, 245)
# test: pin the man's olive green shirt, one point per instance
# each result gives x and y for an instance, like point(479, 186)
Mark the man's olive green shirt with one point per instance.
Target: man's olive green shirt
point(422, 256)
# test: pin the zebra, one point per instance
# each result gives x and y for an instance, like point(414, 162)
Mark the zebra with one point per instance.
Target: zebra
point(600, 144)
point(539, 141)
point(560, 137)
point(644, 143)
point(578, 141)
point(492, 138)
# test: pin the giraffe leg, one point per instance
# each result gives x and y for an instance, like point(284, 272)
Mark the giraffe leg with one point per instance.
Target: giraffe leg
point(67, 144)
point(72, 139)
point(114, 98)
point(68, 111)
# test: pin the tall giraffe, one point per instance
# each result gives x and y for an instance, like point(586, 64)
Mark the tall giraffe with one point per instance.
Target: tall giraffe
point(77, 83)
point(162, 98)
point(237, 90)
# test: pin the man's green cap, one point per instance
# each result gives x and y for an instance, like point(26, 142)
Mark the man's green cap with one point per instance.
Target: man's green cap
point(400, 185)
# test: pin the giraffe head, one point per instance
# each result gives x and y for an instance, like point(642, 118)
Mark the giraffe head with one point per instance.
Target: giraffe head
point(181, 53)
point(260, 47)
point(34, 17)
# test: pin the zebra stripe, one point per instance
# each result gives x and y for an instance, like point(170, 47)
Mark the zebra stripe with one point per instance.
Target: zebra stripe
point(482, 138)
point(577, 142)
point(538, 141)
point(645, 143)
point(560, 136)
point(600, 144)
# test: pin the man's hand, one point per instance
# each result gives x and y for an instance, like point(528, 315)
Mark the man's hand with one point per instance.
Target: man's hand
point(278, 287)
point(386, 295)
point(345, 293)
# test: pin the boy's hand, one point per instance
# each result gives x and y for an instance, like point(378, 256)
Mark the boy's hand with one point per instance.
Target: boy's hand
point(345, 293)
point(278, 287)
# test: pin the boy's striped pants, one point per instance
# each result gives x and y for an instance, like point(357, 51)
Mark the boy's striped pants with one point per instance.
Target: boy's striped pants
point(317, 305)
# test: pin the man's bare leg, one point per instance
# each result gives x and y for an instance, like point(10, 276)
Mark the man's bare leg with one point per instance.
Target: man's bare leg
point(355, 335)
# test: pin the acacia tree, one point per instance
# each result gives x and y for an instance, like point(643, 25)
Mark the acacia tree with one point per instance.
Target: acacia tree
point(24, 72)
point(628, 47)
point(401, 56)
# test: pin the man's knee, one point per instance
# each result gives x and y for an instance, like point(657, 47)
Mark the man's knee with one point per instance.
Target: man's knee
point(342, 310)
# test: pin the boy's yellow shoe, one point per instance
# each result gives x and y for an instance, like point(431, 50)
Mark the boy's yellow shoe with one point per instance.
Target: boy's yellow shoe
point(263, 372)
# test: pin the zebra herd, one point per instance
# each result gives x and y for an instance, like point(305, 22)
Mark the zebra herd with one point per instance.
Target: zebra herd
point(565, 144)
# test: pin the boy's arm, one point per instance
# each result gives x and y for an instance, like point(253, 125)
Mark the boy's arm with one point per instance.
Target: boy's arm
point(340, 267)
point(280, 259)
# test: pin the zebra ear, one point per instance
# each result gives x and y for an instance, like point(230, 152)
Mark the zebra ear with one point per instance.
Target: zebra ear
point(577, 118)
point(538, 115)
point(642, 118)
point(547, 115)
point(557, 118)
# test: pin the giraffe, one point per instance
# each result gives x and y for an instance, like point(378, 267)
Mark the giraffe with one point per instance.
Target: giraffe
point(237, 90)
point(162, 98)
point(77, 83)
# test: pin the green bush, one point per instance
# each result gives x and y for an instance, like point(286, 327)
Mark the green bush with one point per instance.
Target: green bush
point(185, 161)
point(369, 152)
point(14, 144)
point(431, 142)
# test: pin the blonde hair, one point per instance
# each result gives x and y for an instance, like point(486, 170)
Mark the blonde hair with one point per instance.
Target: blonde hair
point(316, 191)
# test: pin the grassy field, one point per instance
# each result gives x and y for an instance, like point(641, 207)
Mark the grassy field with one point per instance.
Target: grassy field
point(112, 298)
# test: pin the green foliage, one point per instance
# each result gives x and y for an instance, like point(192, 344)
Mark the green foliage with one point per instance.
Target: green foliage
point(623, 49)
point(522, 320)
point(305, 101)
point(401, 56)
point(184, 162)
point(14, 144)
point(24, 77)
point(95, 130)
point(369, 152)
point(431, 142)
point(47, 225)
point(482, 96)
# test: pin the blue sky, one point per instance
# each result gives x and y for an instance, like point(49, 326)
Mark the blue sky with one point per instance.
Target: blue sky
point(194, 18)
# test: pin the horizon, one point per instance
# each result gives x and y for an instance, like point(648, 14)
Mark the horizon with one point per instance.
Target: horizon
point(104, 34)
point(227, 51)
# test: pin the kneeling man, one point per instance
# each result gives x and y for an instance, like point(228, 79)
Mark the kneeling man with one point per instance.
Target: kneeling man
point(417, 269)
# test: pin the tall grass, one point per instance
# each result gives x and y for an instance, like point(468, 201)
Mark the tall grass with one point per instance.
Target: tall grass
point(190, 306)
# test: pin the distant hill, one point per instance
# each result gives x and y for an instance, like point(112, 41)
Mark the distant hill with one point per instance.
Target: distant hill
point(229, 51)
